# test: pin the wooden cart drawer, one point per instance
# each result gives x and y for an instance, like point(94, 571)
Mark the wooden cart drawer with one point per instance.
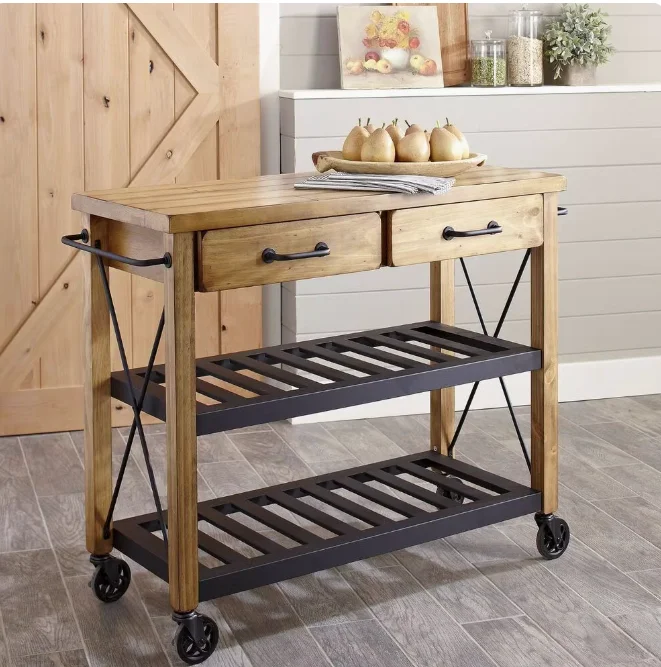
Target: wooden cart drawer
point(416, 235)
point(230, 258)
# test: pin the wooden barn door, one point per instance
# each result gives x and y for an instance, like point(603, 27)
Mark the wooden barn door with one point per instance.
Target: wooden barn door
point(102, 96)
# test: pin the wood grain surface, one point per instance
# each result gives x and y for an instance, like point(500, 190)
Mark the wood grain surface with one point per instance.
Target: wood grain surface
point(416, 235)
point(441, 309)
point(544, 382)
point(269, 199)
point(232, 258)
point(181, 434)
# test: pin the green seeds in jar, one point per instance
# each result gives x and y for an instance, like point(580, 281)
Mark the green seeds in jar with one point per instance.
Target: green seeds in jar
point(488, 62)
point(489, 71)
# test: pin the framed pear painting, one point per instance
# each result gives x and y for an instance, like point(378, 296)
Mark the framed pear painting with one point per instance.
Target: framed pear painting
point(385, 47)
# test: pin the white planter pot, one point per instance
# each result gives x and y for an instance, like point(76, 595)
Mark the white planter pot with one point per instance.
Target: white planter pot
point(578, 75)
point(398, 58)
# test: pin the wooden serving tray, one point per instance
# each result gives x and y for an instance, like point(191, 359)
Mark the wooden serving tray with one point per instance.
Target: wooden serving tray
point(325, 160)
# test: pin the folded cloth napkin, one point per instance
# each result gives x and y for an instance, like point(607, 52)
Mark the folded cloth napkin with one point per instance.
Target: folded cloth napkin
point(337, 180)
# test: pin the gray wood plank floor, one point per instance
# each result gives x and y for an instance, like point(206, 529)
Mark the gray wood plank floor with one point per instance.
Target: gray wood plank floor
point(481, 599)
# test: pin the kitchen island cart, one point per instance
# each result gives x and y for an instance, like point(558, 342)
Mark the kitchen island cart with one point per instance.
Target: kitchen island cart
point(229, 234)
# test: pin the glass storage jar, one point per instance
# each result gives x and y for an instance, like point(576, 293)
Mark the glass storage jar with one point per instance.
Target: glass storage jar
point(488, 63)
point(525, 48)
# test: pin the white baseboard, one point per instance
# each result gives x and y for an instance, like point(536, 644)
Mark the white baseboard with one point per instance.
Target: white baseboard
point(578, 381)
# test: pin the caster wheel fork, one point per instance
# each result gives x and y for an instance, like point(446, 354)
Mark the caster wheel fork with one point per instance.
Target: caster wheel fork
point(552, 535)
point(196, 637)
point(457, 496)
point(111, 578)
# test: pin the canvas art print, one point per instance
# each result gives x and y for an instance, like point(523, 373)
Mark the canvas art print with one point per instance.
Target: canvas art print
point(389, 47)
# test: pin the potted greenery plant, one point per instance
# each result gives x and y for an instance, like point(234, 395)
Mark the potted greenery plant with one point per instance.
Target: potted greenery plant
point(576, 43)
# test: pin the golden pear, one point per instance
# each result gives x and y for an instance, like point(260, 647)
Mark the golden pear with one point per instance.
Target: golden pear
point(354, 142)
point(413, 147)
point(395, 133)
point(378, 147)
point(412, 128)
point(458, 133)
point(444, 145)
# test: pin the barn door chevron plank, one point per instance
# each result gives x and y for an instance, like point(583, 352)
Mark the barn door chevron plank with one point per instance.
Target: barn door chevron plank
point(162, 85)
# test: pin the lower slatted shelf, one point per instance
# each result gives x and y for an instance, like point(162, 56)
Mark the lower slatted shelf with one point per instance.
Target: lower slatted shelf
point(259, 386)
point(268, 535)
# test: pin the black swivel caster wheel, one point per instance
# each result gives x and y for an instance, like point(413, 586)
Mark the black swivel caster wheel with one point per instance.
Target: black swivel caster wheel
point(111, 578)
point(196, 637)
point(457, 496)
point(552, 536)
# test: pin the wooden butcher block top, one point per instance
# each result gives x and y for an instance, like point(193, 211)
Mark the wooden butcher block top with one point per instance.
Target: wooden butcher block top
point(268, 199)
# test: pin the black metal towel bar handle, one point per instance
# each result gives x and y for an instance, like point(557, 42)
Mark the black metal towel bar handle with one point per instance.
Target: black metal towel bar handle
point(72, 241)
point(320, 250)
point(493, 227)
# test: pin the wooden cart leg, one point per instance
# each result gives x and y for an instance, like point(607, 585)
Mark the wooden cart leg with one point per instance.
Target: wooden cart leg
point(181, 431)
point(544, 382)
point(441, 308)
point(98, 433)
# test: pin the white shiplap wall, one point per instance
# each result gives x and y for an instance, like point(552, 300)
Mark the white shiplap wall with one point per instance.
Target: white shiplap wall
point(606, 143)
point(309, 51)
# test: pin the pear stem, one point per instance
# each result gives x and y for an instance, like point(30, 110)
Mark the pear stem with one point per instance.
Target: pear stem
point(438, 124)
point(447, 120)
point(368, 121)
point(383, 125)
point(407, 123)
point(360, 120)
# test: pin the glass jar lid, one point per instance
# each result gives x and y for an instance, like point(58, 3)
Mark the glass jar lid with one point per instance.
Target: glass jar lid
point(524, 11)
point(488, 40)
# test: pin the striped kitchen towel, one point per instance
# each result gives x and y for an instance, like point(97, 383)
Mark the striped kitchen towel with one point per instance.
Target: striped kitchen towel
point(336, 180)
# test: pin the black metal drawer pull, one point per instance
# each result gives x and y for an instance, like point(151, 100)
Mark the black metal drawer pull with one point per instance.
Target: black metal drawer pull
point(270, 255)
point(493, 227)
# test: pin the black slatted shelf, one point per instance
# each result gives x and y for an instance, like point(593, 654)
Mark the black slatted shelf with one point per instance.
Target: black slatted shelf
point(259, 386)
point(389, 518)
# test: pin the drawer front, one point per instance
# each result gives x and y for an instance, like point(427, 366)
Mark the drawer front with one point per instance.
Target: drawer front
point(416, 235)
point(230, 258)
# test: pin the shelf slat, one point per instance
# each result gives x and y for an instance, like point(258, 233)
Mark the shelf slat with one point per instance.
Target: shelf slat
point(343, 543)
point(255, 390)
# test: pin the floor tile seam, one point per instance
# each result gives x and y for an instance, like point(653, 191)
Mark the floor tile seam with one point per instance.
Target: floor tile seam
point(72, 608)
point(150, 620)
point(403, 452)
point(378, 620)
point(286, 444)
point(333, 437)
point(599, 613)
point(307, 629)
point(438, 604)
point(474, 567)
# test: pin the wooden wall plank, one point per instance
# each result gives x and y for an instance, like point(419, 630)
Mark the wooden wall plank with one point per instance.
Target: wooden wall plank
point(106, 108)
point(61, 302)
point(239, 151)
point(152, 114)
point(482, 113)
point(200, 19)
point(75, 62)
point(359, 311)
point(58, 409)
point(61, 172)
point(19, 260)
point(308, 33)
point(532, 149)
